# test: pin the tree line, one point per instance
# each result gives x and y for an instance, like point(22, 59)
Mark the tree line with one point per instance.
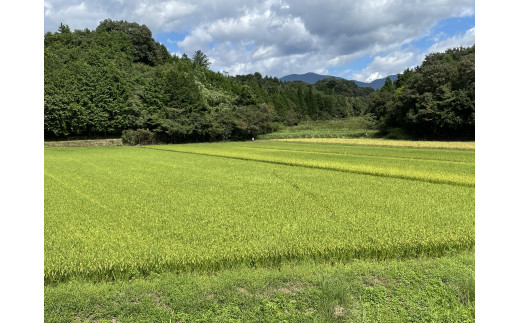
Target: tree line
point(117, 80)
point(435, 100)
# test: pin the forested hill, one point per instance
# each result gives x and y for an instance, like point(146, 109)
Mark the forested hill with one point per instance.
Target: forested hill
point(376, 84)
point(101, 82)
point(117, 80)
point(310, 77)
point(313, 78)
point(435, 100)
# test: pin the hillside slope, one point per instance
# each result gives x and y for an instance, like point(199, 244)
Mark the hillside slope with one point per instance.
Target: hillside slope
point(312, 78)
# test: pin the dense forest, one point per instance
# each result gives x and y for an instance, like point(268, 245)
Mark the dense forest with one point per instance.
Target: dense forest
point(118, 81)
point(435, 100)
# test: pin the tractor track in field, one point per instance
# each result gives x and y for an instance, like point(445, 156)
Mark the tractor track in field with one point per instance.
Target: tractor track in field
point(75, 190)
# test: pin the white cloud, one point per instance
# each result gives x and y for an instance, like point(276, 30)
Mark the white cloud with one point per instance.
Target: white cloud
point(178, 54)
point(382, 66)
point(47, 8)
point(164, 15)
point(398, 61)
point(198, 39)
point(276, 37)
point(465, 40)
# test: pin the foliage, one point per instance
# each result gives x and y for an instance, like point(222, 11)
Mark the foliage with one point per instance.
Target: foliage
point(138, 137)
point(116, 78)
point(86, 83)
point(337, 128)
point(334, 85)
point(367, 121)
point(298, 101)
point(435, 100)
point(201, 59)
point(145, 48)
point(99, 83)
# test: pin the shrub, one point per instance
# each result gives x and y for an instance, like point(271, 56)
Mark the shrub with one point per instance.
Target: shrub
point(129, 137)
point(138, 137)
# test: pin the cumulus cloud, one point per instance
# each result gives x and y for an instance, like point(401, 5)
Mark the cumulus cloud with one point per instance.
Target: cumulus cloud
point(465, 40)
point(77, 14)
point(382, 66)
point(398, 61)
point(165, 14)
point(278, 37)
point(158, 15)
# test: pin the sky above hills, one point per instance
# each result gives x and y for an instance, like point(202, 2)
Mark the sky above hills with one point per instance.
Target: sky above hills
point(359, 40)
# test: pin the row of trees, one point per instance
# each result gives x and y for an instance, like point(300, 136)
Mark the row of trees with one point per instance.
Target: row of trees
point(100, 83)
point(117, 77)
point(435, 100)
point(296, 101)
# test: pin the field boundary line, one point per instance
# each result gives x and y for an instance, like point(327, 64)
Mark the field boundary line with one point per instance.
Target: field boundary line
point(342, 253)
point(373, 144)
point(363, 155)
point(361, 172)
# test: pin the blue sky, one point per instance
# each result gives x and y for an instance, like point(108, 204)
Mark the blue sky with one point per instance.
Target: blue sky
point(361, 40)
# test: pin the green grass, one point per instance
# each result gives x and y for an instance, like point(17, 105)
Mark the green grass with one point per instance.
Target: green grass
point(414, 290)
point(116, 213)
point(339, 128)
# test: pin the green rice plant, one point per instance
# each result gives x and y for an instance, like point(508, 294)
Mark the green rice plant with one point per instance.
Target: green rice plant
point(121, 212)
point(430, 170)
point(383, 151)
point(463, 145)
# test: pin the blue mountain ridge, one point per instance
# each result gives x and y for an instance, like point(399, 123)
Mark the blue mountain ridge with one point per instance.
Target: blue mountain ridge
point(313, 78)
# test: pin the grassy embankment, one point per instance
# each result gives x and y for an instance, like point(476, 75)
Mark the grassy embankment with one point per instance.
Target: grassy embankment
point(413, 290)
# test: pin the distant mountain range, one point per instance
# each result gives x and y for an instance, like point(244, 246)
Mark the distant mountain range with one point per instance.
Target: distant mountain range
point(313, 78)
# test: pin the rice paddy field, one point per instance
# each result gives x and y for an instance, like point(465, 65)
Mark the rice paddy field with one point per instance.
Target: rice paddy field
point(113, 214)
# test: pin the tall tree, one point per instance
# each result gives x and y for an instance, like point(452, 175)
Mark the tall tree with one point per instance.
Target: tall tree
point(312, 106)
point(63, 29)
point(146, 49)
point(201, 59)
point(436, 100)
